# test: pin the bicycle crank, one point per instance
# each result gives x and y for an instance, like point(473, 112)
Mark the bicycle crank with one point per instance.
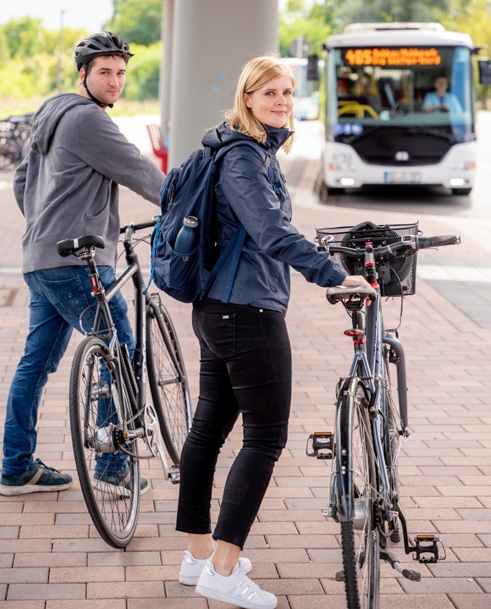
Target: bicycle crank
point(155, 442)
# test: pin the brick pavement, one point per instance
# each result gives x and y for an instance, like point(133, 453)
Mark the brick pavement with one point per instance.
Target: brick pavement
point(52, 558)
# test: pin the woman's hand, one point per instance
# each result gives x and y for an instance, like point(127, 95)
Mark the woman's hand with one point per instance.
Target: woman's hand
point(351, 281)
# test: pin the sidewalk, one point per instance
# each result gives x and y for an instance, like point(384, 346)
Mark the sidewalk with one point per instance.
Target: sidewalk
point(51, 557)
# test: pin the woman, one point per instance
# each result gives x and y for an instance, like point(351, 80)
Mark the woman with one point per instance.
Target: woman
point(245, 349)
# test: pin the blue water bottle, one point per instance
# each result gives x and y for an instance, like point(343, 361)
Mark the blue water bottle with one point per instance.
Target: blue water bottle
point(187, 236)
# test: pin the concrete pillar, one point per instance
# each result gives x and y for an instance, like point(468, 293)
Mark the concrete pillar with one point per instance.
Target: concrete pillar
point(211, 41)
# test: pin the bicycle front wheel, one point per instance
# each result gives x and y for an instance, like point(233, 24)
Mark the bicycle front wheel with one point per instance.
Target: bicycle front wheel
point(356, 486)
point(107, 463)
point(167, 379)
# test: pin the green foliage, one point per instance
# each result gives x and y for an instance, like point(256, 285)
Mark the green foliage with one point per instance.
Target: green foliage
point(4, 47)
point(297, 21)
point(392, 10)
point(473, 18)
point(143, 73)
point(25, 37)
point(137, 21)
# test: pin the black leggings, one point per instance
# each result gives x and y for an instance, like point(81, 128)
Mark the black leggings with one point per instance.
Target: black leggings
point(245, 368)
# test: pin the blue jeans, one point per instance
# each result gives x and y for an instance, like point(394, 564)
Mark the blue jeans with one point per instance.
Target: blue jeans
point(60, 300)
point(245, 369)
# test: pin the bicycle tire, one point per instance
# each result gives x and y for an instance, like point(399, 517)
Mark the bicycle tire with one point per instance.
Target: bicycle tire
point(93, 382)
point(359, 534)
point(167, 379)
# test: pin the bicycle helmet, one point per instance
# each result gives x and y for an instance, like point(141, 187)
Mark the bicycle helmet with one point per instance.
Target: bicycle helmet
point(103, 43)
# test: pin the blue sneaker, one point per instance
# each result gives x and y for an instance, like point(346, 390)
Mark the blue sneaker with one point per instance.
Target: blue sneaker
point(40, 478)
point(117, 483)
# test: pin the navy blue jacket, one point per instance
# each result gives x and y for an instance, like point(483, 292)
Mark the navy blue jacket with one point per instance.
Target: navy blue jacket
point(257, 197)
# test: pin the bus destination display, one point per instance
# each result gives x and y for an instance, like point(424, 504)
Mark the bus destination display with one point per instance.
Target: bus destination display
point(403, 56)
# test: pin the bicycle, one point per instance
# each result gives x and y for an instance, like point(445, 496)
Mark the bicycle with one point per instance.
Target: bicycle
point(15, 135)
point(371, 420)
point(107, 397)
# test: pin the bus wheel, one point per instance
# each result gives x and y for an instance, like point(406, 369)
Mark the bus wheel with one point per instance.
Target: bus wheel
point(334, 191)
point(461, 191)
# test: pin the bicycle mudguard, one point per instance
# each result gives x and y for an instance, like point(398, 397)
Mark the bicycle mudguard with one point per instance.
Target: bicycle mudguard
point(344, 474)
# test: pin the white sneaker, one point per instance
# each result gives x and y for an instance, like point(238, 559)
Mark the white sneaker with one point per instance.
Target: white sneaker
point(236, 589)
point(191, 568)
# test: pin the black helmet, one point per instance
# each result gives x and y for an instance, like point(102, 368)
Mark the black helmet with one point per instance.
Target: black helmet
point(103, 43)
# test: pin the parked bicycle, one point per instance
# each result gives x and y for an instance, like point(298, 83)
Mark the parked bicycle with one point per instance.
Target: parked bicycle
point(15, 134)
point(109, 412)
point(371, 419)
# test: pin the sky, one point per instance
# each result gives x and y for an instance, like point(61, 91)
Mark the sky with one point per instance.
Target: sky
point(89, 14)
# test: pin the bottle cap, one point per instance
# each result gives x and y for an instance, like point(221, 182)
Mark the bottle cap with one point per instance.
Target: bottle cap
point(191, 221)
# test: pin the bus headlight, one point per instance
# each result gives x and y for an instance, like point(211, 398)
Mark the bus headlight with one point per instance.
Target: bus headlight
point(341, 161)
point(463, 166)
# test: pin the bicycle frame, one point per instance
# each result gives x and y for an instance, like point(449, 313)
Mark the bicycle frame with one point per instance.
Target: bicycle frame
point(369, 338)
point(133, 373)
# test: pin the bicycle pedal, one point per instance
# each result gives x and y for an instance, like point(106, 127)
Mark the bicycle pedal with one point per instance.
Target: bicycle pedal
point(174, 475)
point(428, 544)
point(321, 445)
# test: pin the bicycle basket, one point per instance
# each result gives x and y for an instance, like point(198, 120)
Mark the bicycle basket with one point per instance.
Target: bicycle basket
point(396, 272)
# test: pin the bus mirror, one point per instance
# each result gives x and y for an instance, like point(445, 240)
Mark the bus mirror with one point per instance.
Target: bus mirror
point(313, 67)
point(484, 71)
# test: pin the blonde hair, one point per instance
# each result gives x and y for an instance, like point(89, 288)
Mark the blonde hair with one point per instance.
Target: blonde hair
point(255, 74)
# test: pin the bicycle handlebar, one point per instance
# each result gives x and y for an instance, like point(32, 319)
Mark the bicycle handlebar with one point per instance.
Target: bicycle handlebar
point(410, 243)
point(437, 241)
point(140, 226)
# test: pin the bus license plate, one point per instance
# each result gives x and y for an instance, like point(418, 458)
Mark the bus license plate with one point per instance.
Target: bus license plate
point(403, 177)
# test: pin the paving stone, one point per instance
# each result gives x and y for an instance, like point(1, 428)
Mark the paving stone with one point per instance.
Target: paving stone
point(46, 591)
point(470, 601)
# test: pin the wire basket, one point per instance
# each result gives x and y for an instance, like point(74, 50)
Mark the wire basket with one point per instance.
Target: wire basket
point(396, 271)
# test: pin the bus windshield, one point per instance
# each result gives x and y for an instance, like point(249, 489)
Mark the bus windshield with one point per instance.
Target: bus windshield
point(424, 87)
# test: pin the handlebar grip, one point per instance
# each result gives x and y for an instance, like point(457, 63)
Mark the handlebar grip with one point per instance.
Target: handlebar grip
point(438, 241)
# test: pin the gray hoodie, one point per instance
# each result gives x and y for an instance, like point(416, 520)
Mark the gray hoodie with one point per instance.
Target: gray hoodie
point(67, 186)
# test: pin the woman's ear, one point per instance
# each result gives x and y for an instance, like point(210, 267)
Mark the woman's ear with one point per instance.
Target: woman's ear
point(247, 101)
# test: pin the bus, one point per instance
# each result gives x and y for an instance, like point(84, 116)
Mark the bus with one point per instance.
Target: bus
point(385, 121)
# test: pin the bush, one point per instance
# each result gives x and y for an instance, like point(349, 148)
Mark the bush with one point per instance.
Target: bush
point(143, 73)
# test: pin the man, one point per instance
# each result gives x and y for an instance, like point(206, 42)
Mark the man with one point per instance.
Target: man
point(441, 100)
point(66, 187)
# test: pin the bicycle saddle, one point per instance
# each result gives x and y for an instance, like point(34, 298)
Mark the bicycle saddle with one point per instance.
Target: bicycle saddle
point(336, 293)
point(67, 247)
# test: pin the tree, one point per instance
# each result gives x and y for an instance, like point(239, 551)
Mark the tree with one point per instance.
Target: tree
point(137, 21)
point(144, 71)
point(392, 10)
point(296, 20)
point(25, 37)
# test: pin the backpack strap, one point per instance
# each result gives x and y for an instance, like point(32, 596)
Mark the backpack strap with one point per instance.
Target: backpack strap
point(236, 243)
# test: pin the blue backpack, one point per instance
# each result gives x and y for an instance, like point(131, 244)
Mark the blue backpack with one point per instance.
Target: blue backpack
point(189, 190)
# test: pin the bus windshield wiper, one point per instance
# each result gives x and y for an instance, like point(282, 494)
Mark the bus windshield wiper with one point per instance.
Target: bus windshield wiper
point(450, 137)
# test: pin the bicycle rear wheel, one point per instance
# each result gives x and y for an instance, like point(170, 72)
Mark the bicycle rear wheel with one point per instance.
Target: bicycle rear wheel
point(98, 405)
point(356, 488)
point(167, 378)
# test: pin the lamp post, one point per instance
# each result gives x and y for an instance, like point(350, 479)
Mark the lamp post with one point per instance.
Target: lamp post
point(60, 53)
